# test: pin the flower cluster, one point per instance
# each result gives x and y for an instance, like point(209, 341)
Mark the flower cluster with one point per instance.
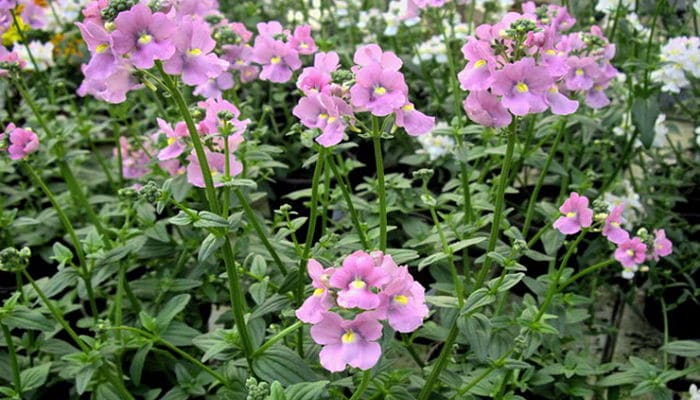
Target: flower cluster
point(680, 59)
point(372, 288)
point(190, 39)
point(526, 64)
point(631, 252)
point(170, 146)
point(21, 142)
point(435, 144)
point(379, 88)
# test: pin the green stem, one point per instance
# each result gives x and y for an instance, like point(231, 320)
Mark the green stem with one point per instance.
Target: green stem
point(175, 350)
point(84, 271)
point(238, 304)
point(310, 232)
point(366, 378)
point(14, 366)
point(664, 311)
point(76, 192)
point(348, 201)
point(540, 179)
point(277, 337)
point(441, 363)
point(253, 220)
point(381, 191)
point(56, 313)
point(495, 365)
point(585, 272)
point(498, 209)
point(459, 285)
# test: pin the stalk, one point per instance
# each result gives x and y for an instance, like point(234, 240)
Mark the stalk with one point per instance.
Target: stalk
point(14, 366)
point(381, 191)
point(348, 201)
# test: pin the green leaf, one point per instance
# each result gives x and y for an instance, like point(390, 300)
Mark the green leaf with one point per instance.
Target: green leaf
point(277, 391)
point(62, 254)
point(462, 244)
point(171, 309)
point(685, 348)
point(442, 301)
point(282, 364)
point(32, 378)
point(644, 114)
point(431, 259)
point(22, 317)
point(552, 241)
point(210, 220)
point(107, 392)
point(508, 282)
point(181, 219)
point(137, 362)
point(209, 246)
point(147, 321)
point(479, 298)
point(307, 390)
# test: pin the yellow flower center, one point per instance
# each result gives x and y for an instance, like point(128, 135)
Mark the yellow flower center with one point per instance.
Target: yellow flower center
point(303, 46)
point(479, 64)
point(579, 72)
point(101, 48)
point(379, 90)
point(145, 39)
point(401, 299)
point(570, 214)
point(522, 87)
point(348, 337)
point(275, 60)
point(194, 52)
point(553, 89)
point(358, 284)
point(550, 52)
point(110, 26)
point(630, 252)
point(615, 224)
point(319, 292)
point(171, 140)
point(331, 119)
point(408, 107)
point(322, 116)
point(598, 88)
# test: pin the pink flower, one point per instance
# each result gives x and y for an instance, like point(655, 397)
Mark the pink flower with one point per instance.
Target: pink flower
point(135, 161)
point(318, 78)
point(217, 166)
point(319, 110)
point(193, 57)
point(174, 137)
point(631, 252)
point(356, 280)
point(486, 109)
point(612, 229)
point(662, 246)
point(316, 305)
point(214, 87)
point(348, 342)
point(211, 124)
point(103, 62)
point(378, 90)
point(596, 98)
point(302, 41)
point(277, 59)
point(478, 74)
point(373, 54)
point(582, 72)
point(577, 215)
point(144, 36)
point(403, 299)
point(413, 121)
point(112, 89)
point(22, 142)
point(522, 85)
point(560, 104)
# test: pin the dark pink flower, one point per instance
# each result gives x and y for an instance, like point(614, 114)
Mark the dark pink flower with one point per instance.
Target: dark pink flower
point(356, 280)
point(577, 215)
point(523, 85)
point(193, 58)
point(348, 342)
point(612, 228)
point(22, 142)
point(662, 246)
point(631, 252)
point(321, 300)
point(143, 36)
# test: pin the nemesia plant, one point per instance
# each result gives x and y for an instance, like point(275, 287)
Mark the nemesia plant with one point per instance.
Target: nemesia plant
point(253, 200)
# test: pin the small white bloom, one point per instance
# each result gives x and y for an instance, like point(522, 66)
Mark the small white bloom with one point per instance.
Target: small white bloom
point(693, 391)
point(435, 145)
point(608, 6)
point(42, 53)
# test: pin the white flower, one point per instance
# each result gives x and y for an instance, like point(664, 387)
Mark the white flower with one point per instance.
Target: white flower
point(633, 206)
point(436, 145)
point(660, 131)
point(607, 6)
point(67, 12)
point(694, 392)
point(633, 20)
point(42, 53)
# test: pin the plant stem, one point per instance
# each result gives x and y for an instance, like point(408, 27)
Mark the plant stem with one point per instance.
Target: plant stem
point(459, 285)
point(56, 313)
point(253, 220)
point(277, 337)
point(84, 271)
point(14, 366)
point(540, 179)
point(495, 365)
point(176, 350)
point(441, 363)
point(348, 201)
point(585, 272)
point(381, 191)
point(366, 378)
point(498, 210)
point(310, 232)
point(664, 311)
point(238, 304)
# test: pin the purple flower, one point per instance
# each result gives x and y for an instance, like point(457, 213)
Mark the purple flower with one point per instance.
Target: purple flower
point(631, 252)
point(522, 85)
point(373, 54)
point(112, 89)
point(174, 137)
point(316, 305)
point(22, 142)
point(486, 109)
point(413, 121)
point(211, 124)
point(143, 36)
point(319, 110)
point(277, 59)
point(612, 228)
point(560, 104)
point(214, 87)
point(356, 280)
point(596, 98)
point(318, 78)
point(301, 41)
point(378, 90)
point(102, 63)
point(403, 299)
point(217, 166)
point(193, 57)
point(478, 73)
point(662, 246)
point(577, 215)
point(348, 342)
point(582, 72)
